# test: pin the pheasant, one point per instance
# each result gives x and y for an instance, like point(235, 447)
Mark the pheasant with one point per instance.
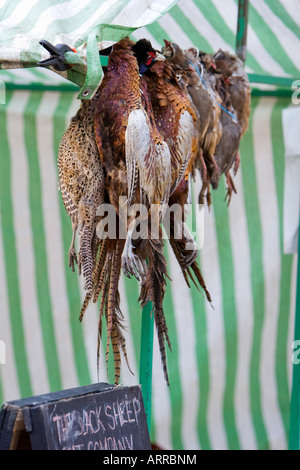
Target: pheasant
point(140, 162)
point(203, 96)
point(130, 139)
point(177, 121)
point(82, 186)
point(136, 162)
point(239, 89)
point(233, 86)
point(174, 114)
point(223, 76)
point(81, 182)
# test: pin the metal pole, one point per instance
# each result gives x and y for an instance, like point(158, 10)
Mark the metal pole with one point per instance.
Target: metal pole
point(146, 358)
point(241, 35)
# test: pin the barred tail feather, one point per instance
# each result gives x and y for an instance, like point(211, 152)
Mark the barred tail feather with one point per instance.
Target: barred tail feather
point(104, 280)
point(98, 269)
point(118, 343)
point(103, 308)
point(200, 279)
point(187, 261)
point(86, 256)
point(154, 290)
point(84, 305)
point(186, 270)
point(112, 279)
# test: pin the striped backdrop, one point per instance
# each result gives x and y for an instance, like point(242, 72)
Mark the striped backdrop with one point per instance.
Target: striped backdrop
point(230, 366)
point(273, 38)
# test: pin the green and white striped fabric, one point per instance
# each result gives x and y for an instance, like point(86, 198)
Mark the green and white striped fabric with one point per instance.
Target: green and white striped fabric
point(230, 367)
point(272, 43)
point(88, 25)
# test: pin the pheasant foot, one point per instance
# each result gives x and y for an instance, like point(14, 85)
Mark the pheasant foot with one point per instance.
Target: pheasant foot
point(132, 265)
point(72, 258)
point(72, 251)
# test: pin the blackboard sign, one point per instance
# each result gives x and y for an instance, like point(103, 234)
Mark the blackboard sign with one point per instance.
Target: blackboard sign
point(95, 417)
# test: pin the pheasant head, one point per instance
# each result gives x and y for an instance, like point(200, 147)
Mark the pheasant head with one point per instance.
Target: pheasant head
point(146, 55)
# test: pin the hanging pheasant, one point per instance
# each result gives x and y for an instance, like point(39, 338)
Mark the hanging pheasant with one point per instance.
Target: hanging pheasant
point(176, 119)
point(137, 166)
point(206, 100)
point(81, 180)
point(222, 77)
point(231, 83)
point(178, 122)
point(145, 141)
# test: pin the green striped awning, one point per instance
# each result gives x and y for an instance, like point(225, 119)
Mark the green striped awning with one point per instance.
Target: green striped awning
point(273, 37)
point(230, 367)
point(87, 26)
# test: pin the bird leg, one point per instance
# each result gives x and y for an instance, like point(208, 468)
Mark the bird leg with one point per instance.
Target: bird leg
point(132, 265)
point(205, 193)
point(72, 250)
point(205, 189)
point(230, 188)
point(237, 163)
point(202, 194)
point(214, 172)
point(208, 197)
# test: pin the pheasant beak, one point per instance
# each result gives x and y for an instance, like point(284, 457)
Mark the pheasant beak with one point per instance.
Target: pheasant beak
point(159, 56)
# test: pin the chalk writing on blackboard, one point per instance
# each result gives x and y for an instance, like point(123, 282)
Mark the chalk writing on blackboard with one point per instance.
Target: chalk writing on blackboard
point(94, 417)
point(107, 426)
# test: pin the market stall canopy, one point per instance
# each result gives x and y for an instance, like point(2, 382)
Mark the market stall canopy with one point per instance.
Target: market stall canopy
point(231, 388)
point(86, 26)
point(273, 37)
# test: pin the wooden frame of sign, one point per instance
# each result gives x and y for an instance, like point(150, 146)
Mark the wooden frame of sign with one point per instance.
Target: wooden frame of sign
point(94, 417)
